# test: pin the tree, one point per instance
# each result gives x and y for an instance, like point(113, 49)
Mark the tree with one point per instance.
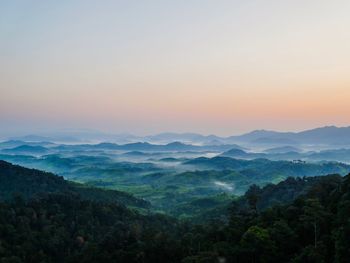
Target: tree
point(257, 245)
point(313, 214)
point(252, 196)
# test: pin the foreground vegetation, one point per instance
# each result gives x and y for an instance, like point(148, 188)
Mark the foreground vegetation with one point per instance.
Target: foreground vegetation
point(297, 220)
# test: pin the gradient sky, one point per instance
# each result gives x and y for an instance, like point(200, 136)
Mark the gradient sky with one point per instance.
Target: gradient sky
point(222, 67)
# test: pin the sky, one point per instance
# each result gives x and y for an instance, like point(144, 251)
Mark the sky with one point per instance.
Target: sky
point(208, 66)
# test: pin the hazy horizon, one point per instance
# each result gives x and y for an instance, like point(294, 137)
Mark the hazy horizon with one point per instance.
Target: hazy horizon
point(186, 66)
point(72, 131)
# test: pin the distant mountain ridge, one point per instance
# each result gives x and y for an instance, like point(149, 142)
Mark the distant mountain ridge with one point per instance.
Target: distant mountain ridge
point(145, 146)
point(323, 135)
point(26, 149)
point(261, 166)
point(282, 149)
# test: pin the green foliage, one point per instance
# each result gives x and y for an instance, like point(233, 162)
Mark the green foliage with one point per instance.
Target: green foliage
point(170, 184)
point(310, 224)
point(30, 182)
point(64, 228)
point(257, 245)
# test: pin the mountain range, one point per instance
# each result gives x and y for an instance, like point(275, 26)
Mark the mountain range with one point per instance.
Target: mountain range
point(325, 135)
point(329, 135)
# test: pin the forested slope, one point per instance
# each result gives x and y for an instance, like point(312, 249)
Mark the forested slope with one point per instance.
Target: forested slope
point(29, 182)
point(310, 224)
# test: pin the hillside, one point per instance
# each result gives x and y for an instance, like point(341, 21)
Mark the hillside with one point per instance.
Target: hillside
point(263, 167)
point(309, 224)
point(329, 135)
point(30, 182)
point(288, 190)
point(61, 227)
point(26, 149)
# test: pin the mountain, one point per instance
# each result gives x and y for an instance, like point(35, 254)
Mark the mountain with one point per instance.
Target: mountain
point(268, 168)
point(282, 149)
point(289, 190)
point(257, 134)
point(311, 226)
point(32, 138)
point(240, 154)
point(274, 141)
point(191, 138)
point(342, 155)
point(328, 135)
point(11, 144)
point(26, 149)
point(30, 182)
point(325, 135)
point(69, 136)
point(136, 154)
point(297, 220)
point(173, 146)
point(292, 153)
point(145, 146)
point(51, 220)
point(16, 143)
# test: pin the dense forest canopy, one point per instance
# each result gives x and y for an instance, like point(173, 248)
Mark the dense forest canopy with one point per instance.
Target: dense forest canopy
point(297, 220)
point(174, 183)
point(31, 182)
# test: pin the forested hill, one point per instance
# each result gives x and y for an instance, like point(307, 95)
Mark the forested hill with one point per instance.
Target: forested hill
point(30, 182)
point(265, 167)
point(288, 190)
point(310, 224)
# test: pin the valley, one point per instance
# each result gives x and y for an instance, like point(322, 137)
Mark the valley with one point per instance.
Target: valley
point(146, 202)
point(175, 177)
